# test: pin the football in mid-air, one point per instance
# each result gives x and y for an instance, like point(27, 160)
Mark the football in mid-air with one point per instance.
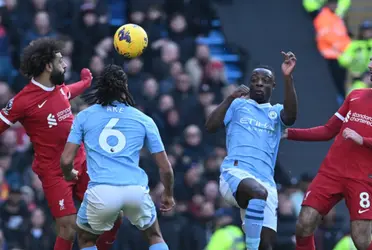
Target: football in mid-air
point(130, 40)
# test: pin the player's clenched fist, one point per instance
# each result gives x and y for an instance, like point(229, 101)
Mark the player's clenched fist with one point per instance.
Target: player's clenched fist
point(350, 134)
point(167, 203)
point(241, 91)
point(71, 176)
point(86, 75)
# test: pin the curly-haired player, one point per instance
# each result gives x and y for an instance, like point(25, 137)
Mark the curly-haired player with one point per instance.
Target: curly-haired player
point(114, 132)
point(43, 108)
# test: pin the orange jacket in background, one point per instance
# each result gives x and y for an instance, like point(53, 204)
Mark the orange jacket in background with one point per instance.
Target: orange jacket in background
point(331, 34)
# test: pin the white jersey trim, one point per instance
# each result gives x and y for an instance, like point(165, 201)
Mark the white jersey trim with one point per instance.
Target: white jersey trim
point(42, 86)
point(4, 119)
point(339, 116)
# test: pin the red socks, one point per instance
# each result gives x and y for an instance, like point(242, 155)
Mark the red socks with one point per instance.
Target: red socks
point(62, 244)
point(106, 240)
point(305, 243)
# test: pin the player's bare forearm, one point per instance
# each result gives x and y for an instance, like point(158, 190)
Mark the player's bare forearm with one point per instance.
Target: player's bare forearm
point(320, 133)
point(67, 158)
point(166, 172)
point(215, 119)
point(289, 113)
point(167, 178)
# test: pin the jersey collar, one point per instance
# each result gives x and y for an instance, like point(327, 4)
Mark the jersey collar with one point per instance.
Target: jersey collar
point(42, 86)
point(262, 105)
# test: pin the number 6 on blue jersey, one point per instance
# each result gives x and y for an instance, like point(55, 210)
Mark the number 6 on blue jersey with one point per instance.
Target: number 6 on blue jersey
point(109, 131)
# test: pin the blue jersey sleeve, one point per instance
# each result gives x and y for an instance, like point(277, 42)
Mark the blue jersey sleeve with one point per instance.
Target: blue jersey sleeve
point(279, 108)
point(230, 112)
point(77, 131)
point(153, 139)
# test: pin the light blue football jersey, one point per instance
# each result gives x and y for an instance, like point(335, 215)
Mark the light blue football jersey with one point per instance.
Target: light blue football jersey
point(113, 138)
point(253, 133)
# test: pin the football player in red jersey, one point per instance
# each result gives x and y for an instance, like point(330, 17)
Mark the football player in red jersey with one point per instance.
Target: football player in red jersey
point(346, 171)
point(43, 108)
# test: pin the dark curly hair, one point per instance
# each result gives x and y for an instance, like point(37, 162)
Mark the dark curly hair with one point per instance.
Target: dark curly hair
point(37, 54)
point(111, 86)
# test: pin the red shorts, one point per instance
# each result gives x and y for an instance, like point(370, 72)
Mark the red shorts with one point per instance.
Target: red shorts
point(60, 193)
point(325, 191)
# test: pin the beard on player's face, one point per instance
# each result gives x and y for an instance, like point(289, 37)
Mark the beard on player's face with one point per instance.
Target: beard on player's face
point(57, 77)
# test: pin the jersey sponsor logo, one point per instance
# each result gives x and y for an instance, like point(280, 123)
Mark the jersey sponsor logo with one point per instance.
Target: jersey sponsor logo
point(360, 211)
point(8, 106)
point(51, 119)
point(257, 125)
point(42, 104)
point(61, 115)
point(357, 117)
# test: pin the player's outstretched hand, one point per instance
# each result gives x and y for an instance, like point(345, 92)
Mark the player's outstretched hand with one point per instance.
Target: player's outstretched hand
point(86, 75)
point(241, 91)
point(289, 63)
point(350, 134)
point(73, 175)
point(285, 134)
point(167, 203)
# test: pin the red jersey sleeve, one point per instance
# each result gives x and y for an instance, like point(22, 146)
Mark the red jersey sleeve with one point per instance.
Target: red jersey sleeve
point(327, 131)
point(13, 112)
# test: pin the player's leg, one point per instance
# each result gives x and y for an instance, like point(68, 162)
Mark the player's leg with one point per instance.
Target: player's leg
point(155, 238)
point(107, 239)
point(98, 212)
point(358, 200)
point(239, 187)
point(144, 218)
point(268, 237)
point(58, 193)
point(323, 193)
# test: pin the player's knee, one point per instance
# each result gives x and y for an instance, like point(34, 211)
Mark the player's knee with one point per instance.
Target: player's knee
point(304, 226)
point(259, 192)
point(86, 239)
point(66, 227)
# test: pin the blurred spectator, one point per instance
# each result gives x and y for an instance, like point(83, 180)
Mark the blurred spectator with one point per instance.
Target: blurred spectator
point(332, 40)
point(314, 6)
point(298, 196)
point(169, 53)
point(286, 223)
point(42, 27)
point(196, 65)
point(39, 234)
point(364, 82)
point(357, 54)
point(14, 218)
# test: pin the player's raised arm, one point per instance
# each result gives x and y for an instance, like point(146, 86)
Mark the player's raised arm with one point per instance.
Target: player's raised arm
point(216, 119)
point(289, 113)
point(156, 147)
point(79, 87)
point(325, 132)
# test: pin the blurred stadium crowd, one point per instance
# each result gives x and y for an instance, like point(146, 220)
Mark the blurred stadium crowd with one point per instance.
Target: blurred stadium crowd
point(177, 82)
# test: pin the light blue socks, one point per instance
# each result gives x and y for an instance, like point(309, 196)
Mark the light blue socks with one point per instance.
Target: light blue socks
point(159, 246)
point(254, 215)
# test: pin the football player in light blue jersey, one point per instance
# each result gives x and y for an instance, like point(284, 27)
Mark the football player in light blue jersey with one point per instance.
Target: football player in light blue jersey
point(253, 132)
point(114, 132)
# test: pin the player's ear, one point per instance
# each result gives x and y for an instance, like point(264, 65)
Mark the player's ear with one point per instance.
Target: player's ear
point(49, 67)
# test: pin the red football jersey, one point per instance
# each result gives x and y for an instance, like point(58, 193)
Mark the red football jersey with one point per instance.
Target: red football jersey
point(45, 113)
point(345, 157)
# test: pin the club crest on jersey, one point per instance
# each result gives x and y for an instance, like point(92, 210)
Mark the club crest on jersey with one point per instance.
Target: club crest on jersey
point(273, 115)
point(8, 106)
point(64, 94)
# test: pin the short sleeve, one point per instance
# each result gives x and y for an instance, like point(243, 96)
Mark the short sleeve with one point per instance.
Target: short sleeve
point(153, 139)
point(230, 111)
point(77, 130)
point(278, 109)
point(13, 111)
